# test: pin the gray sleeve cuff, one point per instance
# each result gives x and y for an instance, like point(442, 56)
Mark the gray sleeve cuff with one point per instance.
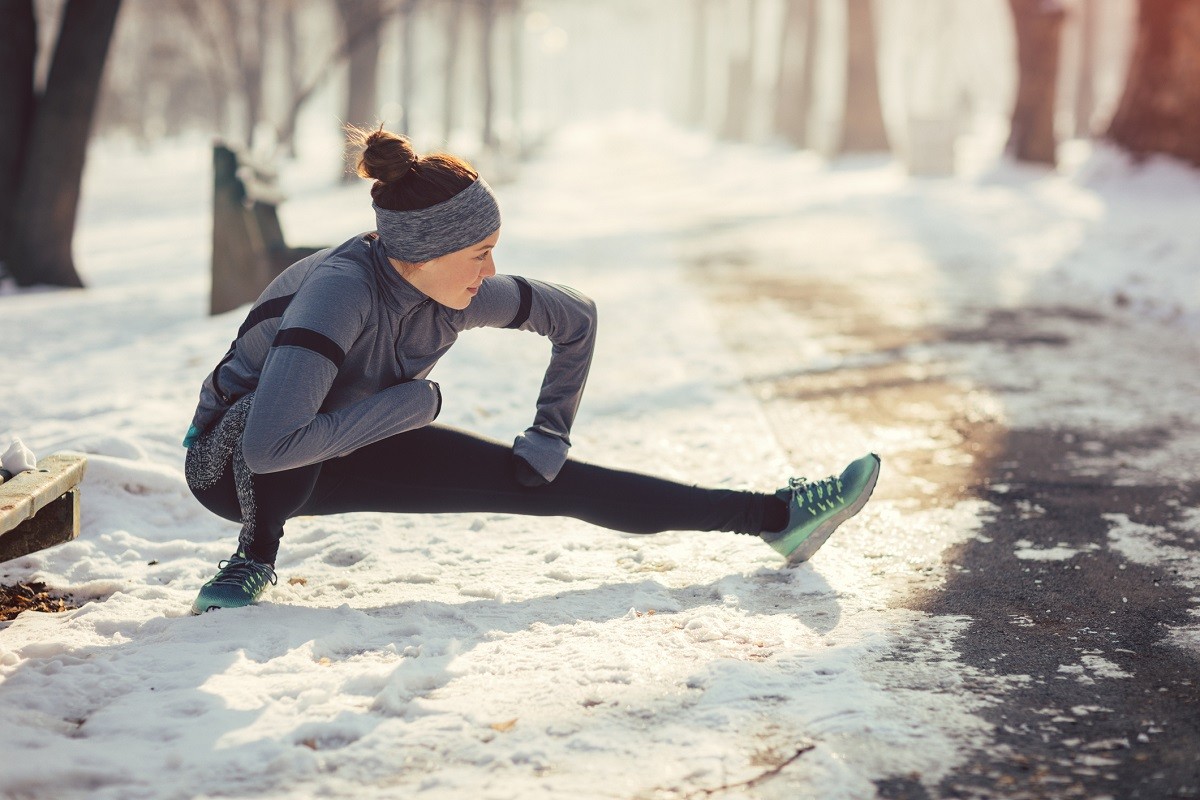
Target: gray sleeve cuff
point(542, 451)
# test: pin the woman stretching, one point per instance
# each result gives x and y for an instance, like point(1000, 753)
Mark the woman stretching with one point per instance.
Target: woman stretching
point(322, 404)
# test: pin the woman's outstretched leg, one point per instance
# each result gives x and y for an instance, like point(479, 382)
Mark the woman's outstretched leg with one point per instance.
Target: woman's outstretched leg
point(442, 469)
point(437, 469)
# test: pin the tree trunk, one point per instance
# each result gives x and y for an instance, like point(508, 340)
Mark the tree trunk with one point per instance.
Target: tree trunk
point(362, 93)
point(698, 89)
point(294, 80)
point(252, 73)
point(863, 130)
point(516, 28)
point(48, 199)
point(797, 52)
point(18, 53)
point(360, 29)
point(245, 31)
point(1085, 83)
point(1039, 34)
point(1159, 111)
point(740, 94)
point(408, 60)
point(204, 25)
point(450, 67)
point(487, 26)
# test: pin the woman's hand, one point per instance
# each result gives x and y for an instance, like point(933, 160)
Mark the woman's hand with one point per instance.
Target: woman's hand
point(525, 474)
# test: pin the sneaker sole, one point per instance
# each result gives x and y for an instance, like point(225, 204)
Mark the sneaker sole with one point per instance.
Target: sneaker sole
point(808, 548)
point(197, 611)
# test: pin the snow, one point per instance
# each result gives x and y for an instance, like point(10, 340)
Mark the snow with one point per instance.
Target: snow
point(1046, 553)
point(485, 655)
point(1093, 666)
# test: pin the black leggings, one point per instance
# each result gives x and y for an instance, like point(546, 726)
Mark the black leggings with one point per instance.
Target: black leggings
point(440, 469)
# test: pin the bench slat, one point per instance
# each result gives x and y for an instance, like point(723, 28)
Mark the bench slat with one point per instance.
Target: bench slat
point(27, 493)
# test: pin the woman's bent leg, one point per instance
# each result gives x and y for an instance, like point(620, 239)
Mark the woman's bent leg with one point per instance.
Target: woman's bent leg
point(219, 478)
point(441, 469)
point(261, 503)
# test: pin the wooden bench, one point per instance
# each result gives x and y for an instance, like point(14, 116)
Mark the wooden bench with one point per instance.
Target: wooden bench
point(248, 248)
point(39, 508)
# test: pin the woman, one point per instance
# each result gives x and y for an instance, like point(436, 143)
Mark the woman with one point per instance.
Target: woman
point(322, 404)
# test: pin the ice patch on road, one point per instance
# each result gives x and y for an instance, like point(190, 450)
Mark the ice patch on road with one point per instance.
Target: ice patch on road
point(1151, 546)
point(1093, 666)
point(1027, 552)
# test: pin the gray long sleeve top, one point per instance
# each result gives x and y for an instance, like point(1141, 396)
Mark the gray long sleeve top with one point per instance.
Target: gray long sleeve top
point(337, 349)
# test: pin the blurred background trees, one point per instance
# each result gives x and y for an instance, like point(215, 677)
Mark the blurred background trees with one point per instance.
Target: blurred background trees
point(832, 75)
point(928, 81)
point(836, 76)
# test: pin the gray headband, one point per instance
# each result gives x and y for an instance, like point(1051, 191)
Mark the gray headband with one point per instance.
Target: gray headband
point(470, 216)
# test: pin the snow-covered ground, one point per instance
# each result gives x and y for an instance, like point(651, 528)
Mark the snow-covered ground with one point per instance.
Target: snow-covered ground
point(494, 656)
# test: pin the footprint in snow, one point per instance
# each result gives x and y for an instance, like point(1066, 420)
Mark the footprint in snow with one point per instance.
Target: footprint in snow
point(343, 558)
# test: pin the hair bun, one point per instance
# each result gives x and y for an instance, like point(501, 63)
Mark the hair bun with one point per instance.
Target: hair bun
point(386, 156)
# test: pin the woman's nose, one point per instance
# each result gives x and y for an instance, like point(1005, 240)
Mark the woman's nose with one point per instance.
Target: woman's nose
point(489, 268)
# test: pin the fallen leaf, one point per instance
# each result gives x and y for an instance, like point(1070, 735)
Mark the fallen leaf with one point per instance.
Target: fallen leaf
point(505, 726)
point(297, 581)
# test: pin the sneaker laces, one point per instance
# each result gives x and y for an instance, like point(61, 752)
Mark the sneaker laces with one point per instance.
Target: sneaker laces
point(239, 571)
point(822, 494)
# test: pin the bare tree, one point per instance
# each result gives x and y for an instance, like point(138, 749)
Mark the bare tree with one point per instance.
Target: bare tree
point(450, 64)
point(487, 28)
point(292, 59)
point(863, 130)
point(362, 96)
point(250, 60)
point(18, 53)
point(1085, 79)
point(234, 35)
point(698, 88)
point(214, 58)
point(1039, 34)
point(797, 54)
point(740, 92)
point(363, 26)
point(53, 138)
point(408, 60)
point(516, 72)
point(1159, 110)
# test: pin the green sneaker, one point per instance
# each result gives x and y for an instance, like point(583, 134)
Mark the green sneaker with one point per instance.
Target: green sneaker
point(239, 582)
point(816, 509)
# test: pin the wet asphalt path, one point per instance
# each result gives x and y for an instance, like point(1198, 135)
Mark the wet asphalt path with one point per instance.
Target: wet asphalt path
point(1099, 703)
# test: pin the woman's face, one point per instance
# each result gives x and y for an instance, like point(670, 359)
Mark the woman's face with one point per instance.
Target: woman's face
point(454, 279)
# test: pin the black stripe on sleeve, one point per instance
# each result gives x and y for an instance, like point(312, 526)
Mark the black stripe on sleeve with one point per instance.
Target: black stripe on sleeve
point(319, 343)
point(526, 303)
point(266, 310)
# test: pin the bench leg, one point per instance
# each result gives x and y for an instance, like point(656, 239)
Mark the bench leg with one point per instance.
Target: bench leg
point(57, 523)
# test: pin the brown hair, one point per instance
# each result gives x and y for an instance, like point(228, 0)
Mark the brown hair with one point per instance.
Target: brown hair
point(405, 181)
